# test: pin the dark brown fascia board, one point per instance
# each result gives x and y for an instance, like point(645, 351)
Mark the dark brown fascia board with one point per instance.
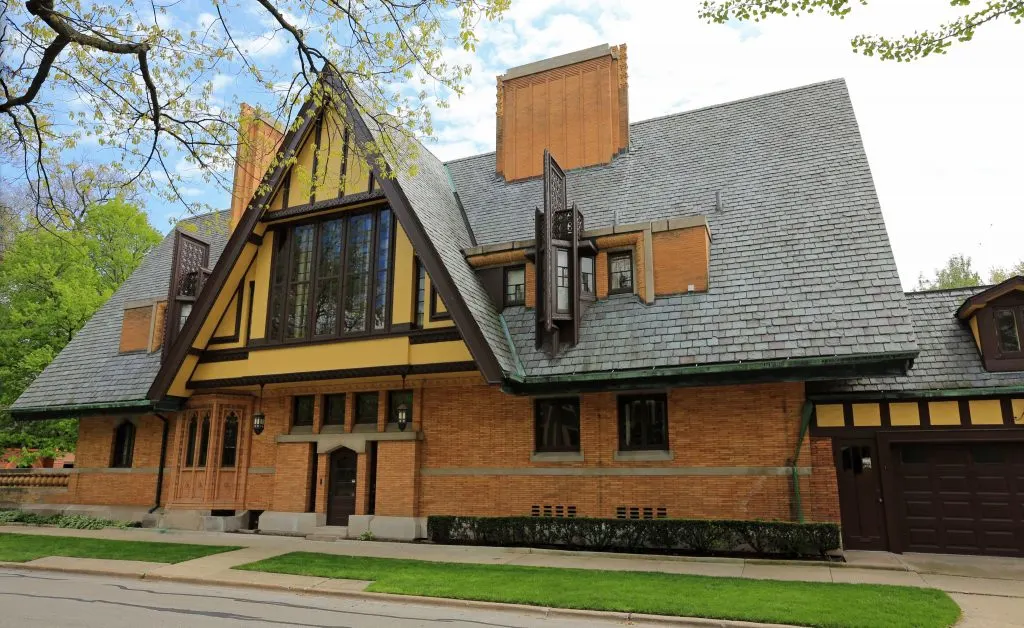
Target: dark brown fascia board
point(312, 376)
point(427, 252)
point(341, 202)
point(980, 300)
point(232, 251)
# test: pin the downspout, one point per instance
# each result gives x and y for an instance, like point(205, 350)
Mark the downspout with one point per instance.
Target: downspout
point(805, 423)
point(163, 461)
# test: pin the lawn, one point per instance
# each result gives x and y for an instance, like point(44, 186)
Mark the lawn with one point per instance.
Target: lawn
point(24, 547)
point(803, 603)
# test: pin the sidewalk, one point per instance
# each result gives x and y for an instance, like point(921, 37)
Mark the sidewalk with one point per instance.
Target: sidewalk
point(1000, 580)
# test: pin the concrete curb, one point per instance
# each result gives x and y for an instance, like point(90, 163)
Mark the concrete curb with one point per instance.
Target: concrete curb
point(535, 611)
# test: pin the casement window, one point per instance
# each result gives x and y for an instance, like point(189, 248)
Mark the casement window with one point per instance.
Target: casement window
point(643, 422)
point(302, 411)
point(332, 278)
point(204, 440)
point(1009, 323)
point(620, 272)
point(334, 409)
point(587, 275)
point(557, 425)
point(397, 398)
point(366, 408)
point(563, 287)
point(190, 440)
point(124, 445)
point(420, 290)
point(229, 447)
point(515, 285)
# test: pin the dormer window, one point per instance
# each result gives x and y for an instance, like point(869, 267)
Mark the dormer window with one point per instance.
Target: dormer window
point(587, 275)
point(562, 294)
point(1008, 329)
point(620, 272)
point(515, 285)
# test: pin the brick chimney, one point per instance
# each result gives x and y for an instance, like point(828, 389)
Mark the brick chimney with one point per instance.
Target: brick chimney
point(258, 141)
point(576, 105)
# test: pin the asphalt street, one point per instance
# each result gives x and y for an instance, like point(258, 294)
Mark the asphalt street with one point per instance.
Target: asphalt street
point(31, 598)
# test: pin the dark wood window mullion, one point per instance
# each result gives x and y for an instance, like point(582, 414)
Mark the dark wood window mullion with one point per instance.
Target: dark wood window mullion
point(371, 292)
point(339, 324)
point(314, 283)
point(287, 286)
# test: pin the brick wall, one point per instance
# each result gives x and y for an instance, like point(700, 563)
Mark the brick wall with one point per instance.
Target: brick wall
point(680, 260)
point(292, 477)
point(397, 466)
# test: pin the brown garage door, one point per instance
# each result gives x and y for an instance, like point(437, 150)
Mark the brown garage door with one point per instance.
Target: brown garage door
point(961, 498)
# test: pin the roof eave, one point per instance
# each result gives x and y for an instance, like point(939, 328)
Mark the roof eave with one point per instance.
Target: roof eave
point(74, 411)
point(784, 370)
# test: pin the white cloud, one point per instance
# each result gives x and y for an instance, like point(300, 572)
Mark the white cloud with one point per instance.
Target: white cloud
point(939, 133)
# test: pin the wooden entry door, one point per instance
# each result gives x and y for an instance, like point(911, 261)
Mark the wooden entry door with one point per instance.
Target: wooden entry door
point(860, 494)
point(341, 491)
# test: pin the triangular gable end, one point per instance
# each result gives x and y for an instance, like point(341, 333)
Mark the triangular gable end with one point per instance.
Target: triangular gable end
point(978, 301)
point(244, 243)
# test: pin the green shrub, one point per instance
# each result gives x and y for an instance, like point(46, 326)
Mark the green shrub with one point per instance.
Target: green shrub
point(695, 536)
point(76, 522)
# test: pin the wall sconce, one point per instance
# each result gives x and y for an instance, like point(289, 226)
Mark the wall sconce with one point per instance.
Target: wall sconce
point(403, 416)
point(259, 420)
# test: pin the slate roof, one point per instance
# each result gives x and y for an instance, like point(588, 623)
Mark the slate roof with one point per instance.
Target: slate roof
point(800, 260)
point(949, 358)
point(90, 369)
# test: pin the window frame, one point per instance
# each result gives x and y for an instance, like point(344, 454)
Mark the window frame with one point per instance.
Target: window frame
point(325, 410)
point(231, 416)
point(621, 401)
point(203, 446)
point(283, 259)
point(355, 408)
point(419, 289)
point(593, 276)
point(506, 302)
point(1017, 311)
point(993, 357)
point(435, 313)
point(537, 403)
point(615, 255)
point(295, 410)
point(119, 459)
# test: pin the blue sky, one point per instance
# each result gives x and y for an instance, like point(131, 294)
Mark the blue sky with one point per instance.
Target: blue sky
point(945, 161)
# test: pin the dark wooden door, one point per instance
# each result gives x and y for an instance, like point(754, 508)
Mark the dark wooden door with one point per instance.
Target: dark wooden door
point(964, 498)
point(860, 494)
point(341, 495)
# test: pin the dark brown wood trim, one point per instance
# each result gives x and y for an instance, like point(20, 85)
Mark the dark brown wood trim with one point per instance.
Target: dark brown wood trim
point(1006, 405)
point(375, 371)
point(428, 253)
point(886, 417)
point(425, 336)
point(402, 327)
point(238, 320)
point(194, 351)
point(254, 238)
point(964, 406)
point(248, 321)
point(436, 316)
point(176, 352)
point(982, 298)
point(223, 355)
point(342, 202)
point(924, 413)
point(848, 414)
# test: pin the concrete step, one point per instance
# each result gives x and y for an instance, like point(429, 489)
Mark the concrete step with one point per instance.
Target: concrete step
point(328, 533)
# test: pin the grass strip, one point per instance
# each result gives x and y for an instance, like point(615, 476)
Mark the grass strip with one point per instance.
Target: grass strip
point(804, 603)
point(21, 548)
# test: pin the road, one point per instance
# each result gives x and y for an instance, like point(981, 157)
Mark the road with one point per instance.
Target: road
point(31, 598)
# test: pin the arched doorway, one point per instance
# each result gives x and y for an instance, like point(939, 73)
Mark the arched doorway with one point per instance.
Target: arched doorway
point(341, 490)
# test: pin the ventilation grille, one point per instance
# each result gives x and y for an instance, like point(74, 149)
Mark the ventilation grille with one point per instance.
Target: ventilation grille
point(641, 512)
point(548, 510)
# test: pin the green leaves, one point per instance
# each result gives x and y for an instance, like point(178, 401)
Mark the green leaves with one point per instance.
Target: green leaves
point(900, 49)
point(957, 273)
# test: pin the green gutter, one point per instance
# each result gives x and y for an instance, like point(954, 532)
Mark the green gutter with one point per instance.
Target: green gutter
point(520, 371)
point(730, 367)
point(805, 423)
point(41, 413)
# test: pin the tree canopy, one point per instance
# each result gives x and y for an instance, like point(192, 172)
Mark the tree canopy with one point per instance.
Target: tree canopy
point(52, 280)
point(1000, 274)
point(935, 40)
point(138, 83)
point(957, 273)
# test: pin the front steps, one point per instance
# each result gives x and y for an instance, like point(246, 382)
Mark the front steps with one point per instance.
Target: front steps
point(328, 533)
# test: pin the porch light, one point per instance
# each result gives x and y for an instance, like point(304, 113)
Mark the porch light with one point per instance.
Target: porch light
point(403, 416)
point(259, 420)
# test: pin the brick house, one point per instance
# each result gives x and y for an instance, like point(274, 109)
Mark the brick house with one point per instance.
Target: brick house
point(697, 315)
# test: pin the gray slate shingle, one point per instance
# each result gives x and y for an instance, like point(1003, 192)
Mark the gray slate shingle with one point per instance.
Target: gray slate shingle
point(949, 358)
point(800, 260)
point(90, 369)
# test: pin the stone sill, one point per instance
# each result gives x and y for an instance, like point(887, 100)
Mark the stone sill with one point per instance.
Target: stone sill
point(643, 456)
point(556, 456)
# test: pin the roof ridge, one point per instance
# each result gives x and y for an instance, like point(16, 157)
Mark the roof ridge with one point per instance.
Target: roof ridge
point(727, 103)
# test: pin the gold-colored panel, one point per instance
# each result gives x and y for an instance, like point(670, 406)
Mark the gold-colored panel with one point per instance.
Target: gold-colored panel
point(829, 415)
point(944, 412)
point(904, 414)
point(986, 412)
point(1018, 411)
point(867, 415)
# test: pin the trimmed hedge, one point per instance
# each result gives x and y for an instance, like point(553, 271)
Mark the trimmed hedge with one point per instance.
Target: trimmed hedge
point(691, 536)
point(75, 522)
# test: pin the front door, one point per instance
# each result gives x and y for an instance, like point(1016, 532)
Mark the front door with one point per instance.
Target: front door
point(341, 495)
point(860, 494)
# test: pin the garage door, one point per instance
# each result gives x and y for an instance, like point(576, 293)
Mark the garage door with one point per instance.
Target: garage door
point(961, 499)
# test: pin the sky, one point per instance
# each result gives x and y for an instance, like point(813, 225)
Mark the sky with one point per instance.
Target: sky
point(941, 134)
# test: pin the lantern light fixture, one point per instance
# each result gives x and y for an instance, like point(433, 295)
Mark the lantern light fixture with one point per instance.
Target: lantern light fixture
point(259, 420)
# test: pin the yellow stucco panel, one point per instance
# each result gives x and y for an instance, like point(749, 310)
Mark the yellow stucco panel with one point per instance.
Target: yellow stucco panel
point(867, 415)
point(402, 290)
point(1018, 411)
point(975, 333)
point(904, 414)
point(944, 412)
point(829, 415)
point(986, 412)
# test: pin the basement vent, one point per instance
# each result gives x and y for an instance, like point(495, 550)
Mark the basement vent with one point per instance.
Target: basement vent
point(641, 512)
point(548, 510)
